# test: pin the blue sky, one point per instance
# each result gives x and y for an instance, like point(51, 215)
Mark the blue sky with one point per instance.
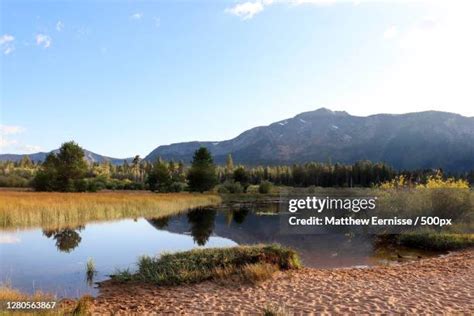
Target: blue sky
point(122, 77)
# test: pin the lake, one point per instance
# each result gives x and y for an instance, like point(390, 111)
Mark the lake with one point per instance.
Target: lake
point(54, 261)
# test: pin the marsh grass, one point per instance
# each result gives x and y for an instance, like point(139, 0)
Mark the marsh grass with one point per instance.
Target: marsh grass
point(63, 307)
point(58, 210)
point(427, 240)
point(9, 294)
point(90, 266)
point(246, 263)
point(90, 271)
point(436, 241)
point(123, 275)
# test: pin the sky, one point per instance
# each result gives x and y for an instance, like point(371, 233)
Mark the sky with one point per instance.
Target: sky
point(123, 77)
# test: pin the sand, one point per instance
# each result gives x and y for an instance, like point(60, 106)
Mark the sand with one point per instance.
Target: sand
point(435, 285)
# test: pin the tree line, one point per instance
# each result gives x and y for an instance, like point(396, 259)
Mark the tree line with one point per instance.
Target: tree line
point(68, 171)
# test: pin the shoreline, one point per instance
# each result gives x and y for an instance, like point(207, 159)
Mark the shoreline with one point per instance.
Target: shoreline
point(443, 284)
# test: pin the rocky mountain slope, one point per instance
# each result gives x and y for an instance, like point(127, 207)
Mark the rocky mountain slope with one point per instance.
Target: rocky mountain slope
point(407, 141)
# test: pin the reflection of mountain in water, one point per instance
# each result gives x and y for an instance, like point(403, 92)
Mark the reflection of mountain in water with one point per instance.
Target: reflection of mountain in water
point(247, 227)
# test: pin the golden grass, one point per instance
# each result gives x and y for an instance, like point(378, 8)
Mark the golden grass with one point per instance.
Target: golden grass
point(62, 307)
point(251, 273)
point(58, 210)
point(7, 293)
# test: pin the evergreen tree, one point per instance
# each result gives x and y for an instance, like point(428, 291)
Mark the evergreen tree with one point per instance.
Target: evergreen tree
point(242, 176)
point(229, 166)
point(180, 173)
point(202, 174)
point(159, 178)
point(62, 171)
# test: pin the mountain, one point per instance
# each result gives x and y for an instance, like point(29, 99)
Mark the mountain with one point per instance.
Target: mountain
point(89, 155)
point(428, 139)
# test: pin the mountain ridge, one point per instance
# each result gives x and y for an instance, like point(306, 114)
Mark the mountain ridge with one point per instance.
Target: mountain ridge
point(406, 141)
point(41, 156)
point(415, 140)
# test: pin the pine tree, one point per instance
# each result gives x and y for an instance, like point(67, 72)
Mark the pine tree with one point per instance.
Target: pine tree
point(159, 178)
point(229, 166)
point(202, 174)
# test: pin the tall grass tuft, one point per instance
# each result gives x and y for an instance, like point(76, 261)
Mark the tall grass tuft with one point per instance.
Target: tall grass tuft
point(90, 271)
point(275, 310)
point(83, 305)
point(58, 210)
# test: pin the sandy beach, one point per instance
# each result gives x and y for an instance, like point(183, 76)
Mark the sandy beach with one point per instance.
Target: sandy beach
point(435, 285)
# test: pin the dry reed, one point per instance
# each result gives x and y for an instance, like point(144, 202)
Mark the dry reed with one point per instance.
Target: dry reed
point(58, 210)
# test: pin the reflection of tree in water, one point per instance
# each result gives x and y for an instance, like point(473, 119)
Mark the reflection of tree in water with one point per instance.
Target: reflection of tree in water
point(202, 224)
point(159, 223)
point(66, 238)
point(240, 215)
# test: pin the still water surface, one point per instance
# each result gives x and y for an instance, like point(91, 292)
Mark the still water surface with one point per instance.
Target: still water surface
point(55, 261)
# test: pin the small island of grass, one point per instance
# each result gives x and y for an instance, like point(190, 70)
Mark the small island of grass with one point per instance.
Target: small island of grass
point(246, 263)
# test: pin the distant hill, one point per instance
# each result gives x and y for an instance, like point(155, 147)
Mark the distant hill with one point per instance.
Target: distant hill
point(407, 141)
point(89, 155)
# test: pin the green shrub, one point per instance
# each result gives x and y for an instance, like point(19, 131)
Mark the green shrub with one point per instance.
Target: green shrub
point(252, 189)
point(177, 187)
point(242, 176)
point(13, 181)
point(450, 203)
point(81, 185)
point(230, 186)
point(265, 187)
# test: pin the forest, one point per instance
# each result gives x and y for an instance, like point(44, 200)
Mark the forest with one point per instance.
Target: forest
point(69, 171)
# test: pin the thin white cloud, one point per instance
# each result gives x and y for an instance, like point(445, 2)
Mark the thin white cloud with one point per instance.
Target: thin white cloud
point(391, 32)
point(59, 26)
point(330, 2)
point(427, 23)
point(136, 16)
point(4, 142)
point(11, 129)
point(6, 38)
point(28, 149)
point(6, 43)
point(13, 145)
point(7, 50)
point(157, 21)
point(318, 2)
point(246, 10)
point(43, 40)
